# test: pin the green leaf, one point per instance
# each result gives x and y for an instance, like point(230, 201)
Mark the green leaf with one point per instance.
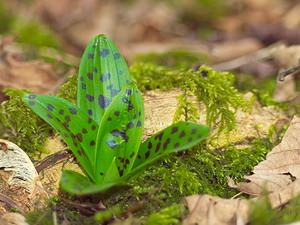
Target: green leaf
point(175, 138)
point(74, 126)
point(120, 132)
point(75, 183)
point(102, 74)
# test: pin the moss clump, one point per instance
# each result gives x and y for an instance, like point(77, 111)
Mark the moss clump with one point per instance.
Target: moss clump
point(175, 59)
point(68, 90)
point(27, 31)
point(261, 213)
point(20, 125)
point(43, 36)
point(168, 216)
point(215, 89)
point(151, 77)
point(6, 18)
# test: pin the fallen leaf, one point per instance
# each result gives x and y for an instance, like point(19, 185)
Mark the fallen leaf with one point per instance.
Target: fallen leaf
point(210, 210)
point(281, 167)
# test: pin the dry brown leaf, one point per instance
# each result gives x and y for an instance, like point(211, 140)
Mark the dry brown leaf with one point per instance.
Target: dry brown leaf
point(281, 167)
point(36, 75)
point(209, 210)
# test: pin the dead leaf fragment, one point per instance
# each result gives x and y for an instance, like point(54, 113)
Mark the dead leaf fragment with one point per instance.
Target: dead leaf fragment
point(209, 210)
point(281, 167)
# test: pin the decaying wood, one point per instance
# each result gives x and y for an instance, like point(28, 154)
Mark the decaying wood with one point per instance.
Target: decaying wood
point(20, 186)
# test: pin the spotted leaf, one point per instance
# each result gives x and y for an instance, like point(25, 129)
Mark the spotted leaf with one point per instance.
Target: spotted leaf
point(120, 132)
point(175, 138)
point(74, 126)
point(76, 183)
point(102, 74)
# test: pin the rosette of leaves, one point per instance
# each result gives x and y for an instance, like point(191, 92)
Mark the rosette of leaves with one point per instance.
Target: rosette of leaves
point(104, 130)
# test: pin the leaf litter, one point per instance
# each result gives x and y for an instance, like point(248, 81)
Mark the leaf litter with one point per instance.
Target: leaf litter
point(278, 175)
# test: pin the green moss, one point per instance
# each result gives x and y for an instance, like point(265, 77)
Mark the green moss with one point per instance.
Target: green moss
point(69, 89)
point(215, 89)
point(151, 77)
point(176, 59)
point(168, 216)
point(34, 33)
point(261, 213)
point(6, 18)
point(20, 125)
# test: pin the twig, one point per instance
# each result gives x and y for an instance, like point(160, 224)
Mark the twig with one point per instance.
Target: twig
point(263, 53)
point(284, 73)
point(85, 208)
point(52, 160)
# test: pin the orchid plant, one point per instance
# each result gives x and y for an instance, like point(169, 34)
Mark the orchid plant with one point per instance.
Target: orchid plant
point(104, 130)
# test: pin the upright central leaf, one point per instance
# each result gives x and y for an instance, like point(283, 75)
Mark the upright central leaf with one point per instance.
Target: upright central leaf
point(102, 74)
point(120, 133)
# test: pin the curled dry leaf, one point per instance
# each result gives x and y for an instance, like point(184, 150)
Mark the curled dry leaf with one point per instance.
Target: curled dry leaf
point(19, 182)
point(209, 210)
point(281, 167)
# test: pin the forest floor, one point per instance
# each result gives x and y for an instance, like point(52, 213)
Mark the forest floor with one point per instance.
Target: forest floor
point(232, 66)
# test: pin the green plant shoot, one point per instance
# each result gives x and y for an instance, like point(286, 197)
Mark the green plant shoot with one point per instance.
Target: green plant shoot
point(104, 130)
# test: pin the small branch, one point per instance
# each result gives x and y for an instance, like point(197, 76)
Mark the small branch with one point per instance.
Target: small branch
point(53, 159)
point(284, 73)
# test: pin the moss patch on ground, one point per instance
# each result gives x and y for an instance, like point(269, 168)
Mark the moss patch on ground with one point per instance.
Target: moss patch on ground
point(22, 126)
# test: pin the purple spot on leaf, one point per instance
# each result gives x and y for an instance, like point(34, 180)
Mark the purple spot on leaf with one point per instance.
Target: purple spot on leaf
point(103, 101)
point(128, 91)
point(182, 134)
point(117, 55)
point(89, 97)
point(73, 110)
point(90, 76)
point(90, 56)
point(139, 124)
point(50, 107)
point(111, 143)
point(114, 92)
point(104, 77)
point(104, 52)
point(130, 125)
